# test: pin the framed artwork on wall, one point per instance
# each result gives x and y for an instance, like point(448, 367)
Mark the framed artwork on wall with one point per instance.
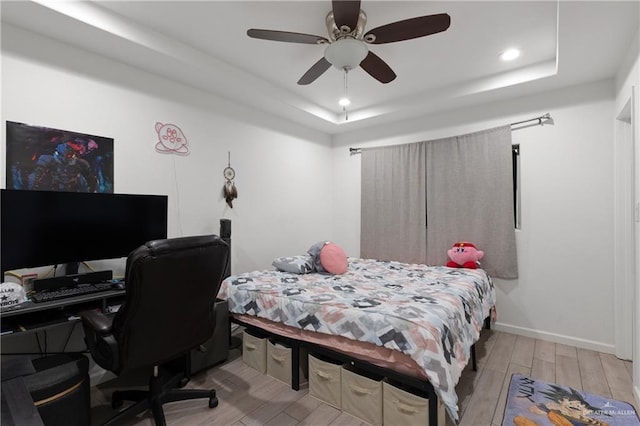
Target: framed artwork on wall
point(44, 158)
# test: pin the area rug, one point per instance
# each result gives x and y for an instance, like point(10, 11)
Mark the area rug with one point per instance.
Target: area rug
point(537, 403)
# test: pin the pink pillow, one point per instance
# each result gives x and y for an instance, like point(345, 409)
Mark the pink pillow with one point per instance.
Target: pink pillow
point(333, 259)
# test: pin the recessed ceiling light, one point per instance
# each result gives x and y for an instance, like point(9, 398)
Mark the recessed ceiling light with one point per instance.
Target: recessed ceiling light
point(510, 54)
point(344, 102)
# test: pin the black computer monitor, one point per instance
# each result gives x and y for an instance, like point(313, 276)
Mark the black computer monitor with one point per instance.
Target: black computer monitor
point(42, 228)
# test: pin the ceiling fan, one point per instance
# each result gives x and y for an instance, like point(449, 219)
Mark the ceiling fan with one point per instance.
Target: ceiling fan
point(347, 42)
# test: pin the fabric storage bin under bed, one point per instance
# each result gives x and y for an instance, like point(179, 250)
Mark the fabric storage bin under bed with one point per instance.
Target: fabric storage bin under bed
point(279, 360)
point(403, 408)
point(325, 381)
point(254, 351)
point(362, 396)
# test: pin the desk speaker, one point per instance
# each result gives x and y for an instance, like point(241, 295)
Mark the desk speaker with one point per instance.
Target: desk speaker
point(225, 228)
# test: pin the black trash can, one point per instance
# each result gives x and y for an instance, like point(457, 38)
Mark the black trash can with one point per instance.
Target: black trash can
point(60, 389)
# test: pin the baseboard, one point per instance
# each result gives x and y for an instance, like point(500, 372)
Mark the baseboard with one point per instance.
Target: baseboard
point(555, 338)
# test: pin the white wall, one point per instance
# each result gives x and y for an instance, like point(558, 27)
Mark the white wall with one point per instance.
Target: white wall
point(284, 199)
point(565, 289)
point(295, 189)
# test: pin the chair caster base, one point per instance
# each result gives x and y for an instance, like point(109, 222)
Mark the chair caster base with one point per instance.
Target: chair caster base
point(213, 402)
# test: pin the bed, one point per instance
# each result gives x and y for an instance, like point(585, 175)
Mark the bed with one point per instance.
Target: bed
point(418, 321)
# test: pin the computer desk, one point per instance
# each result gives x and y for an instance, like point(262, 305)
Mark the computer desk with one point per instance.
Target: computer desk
point(51, 327)
point(45, 328)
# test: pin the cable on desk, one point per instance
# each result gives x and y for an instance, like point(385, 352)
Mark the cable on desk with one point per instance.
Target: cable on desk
point(38, 342)
point(45, 342)
point(13, 274)
point(66, 342)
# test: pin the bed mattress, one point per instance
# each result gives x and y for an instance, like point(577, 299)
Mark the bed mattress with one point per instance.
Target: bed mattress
point(432, 314)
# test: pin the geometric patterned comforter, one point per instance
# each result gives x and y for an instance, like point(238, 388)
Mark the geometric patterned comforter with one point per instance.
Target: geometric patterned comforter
point(431, 313)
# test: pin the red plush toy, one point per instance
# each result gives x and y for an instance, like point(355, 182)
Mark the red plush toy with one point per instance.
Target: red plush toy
point(464, 255)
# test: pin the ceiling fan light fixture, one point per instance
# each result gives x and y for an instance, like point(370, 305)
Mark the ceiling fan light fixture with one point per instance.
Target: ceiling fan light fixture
point(348, 40)
point(346, 53)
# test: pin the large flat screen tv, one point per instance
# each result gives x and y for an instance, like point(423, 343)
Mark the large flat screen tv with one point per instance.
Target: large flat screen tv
point(42, 228)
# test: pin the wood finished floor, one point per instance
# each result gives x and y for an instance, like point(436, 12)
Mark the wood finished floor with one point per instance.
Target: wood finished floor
point(248, 398)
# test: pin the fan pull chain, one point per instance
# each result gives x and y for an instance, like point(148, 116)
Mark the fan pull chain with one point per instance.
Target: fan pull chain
point(346, 95)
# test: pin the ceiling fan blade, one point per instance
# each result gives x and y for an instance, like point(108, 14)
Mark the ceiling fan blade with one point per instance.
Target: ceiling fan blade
point(409, 28)
point(315, 71)
point(377, 68)
point(346, 12)
point(286, 36)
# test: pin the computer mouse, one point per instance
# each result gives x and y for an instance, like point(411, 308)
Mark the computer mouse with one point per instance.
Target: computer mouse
point(117, 284)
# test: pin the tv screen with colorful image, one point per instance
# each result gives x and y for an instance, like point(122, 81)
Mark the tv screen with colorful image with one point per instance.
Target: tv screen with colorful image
point(48, 159)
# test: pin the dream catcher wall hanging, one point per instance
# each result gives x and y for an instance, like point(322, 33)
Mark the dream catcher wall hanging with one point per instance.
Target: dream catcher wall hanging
point(229, 189)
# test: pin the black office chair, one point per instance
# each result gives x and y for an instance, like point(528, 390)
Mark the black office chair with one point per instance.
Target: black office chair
point(171, 288)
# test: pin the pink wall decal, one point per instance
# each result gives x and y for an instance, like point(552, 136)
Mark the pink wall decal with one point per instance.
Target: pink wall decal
point(171, 140)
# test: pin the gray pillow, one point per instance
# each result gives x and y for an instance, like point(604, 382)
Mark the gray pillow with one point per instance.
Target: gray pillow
point(295, 264)
point(314, 252)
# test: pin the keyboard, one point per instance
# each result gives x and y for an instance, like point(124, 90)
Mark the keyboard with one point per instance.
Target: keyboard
point(63, 293)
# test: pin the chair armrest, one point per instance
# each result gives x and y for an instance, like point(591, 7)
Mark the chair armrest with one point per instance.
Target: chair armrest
point(100, 340)
point(97, 321)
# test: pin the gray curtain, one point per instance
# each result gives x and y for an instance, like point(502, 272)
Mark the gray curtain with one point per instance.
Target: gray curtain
point(419, 199)
point(393, 218)
point(470, 198)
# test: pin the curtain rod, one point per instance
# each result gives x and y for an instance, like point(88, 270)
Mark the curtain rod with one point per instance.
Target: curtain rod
point(541, 121)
